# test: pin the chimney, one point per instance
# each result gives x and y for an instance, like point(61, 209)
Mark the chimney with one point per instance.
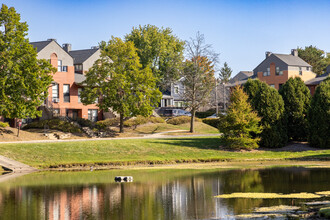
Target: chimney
point(268, 54)
point(67, 47)
point(294, 52)
point(51, 39)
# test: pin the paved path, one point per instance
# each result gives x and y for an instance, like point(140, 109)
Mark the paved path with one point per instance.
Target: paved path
point(14, 165)
point(151, 136)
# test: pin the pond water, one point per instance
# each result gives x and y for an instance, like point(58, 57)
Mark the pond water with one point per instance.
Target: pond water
point(154, 194)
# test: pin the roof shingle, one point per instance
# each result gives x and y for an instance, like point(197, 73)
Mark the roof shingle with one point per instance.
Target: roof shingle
point(81, 56)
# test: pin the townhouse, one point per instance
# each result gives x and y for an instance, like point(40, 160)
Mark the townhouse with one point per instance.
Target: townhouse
point(64, 92)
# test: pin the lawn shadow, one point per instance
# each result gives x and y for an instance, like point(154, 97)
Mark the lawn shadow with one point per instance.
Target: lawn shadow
point(293, 147)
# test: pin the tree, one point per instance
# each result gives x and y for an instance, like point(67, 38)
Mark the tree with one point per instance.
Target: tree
point(319, 116)
point(241, 125)
point(198, 75)
point(296, 98)
point(225, 73)
point(270, 107)
point(315, 57)
point(123, 85)
point(160, 50)
point(24, 80)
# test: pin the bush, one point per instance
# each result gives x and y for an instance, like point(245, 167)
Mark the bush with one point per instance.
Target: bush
point(296, 98)
point(55, 124)
point(3, 124)
point(140, 120)
point(85, 122)
point(319, 116)
point(205, 114)
point(241, 125)
point(270, 107)
point(107, 123)
point(181, 120)
point(214, 122)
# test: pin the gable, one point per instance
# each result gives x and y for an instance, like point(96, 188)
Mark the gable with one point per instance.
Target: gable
point(54, 47)
point(262, 67)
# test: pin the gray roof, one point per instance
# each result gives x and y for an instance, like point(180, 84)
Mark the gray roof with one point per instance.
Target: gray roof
point(317, 80)
point(292, 60)
point(240, 76)
point(79, 78)
point(40, 44)
point(81, 56)
point(241, 82)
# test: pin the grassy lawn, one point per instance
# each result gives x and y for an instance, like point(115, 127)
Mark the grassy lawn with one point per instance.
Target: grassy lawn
point(133, 151)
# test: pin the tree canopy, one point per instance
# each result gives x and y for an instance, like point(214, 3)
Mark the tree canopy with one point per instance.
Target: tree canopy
point(270, 107)
point(319, 116)
point(24, 80)
point(198, 75)
point(225, 73)
point(296, 98)
point(241, 125)
point(315, 57)
point(121, 82)
point(160, 50)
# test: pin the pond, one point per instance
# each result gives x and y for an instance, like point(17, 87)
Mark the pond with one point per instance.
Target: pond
point(154, 193)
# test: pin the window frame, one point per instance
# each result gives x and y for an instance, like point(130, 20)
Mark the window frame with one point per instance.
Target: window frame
point(66, 95)
point(57, 91)
point(59, 66)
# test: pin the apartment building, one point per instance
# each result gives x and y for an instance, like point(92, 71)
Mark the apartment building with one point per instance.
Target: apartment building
point(64, 92)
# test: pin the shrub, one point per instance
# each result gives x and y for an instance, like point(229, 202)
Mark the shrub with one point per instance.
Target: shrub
point(214, 122)
point(181, 120)
point(140, 120)
point(205, 114)
point(85, 122)
point(55, 124)
point(3, 124)
point(319, 116)
point(296, 98)
point(241, 125)
point(107, 123)
point(270, 107)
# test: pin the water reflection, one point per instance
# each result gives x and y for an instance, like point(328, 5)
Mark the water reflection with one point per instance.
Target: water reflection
point(154, 194)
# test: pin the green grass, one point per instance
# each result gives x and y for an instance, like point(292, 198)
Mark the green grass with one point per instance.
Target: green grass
point(144, 151)
point(325, 212)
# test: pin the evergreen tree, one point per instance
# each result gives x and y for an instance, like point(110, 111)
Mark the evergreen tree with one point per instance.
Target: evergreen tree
point(296, 98)
point(24, 80)
point(123, 85)
point(241, 125)
point(315, 57)
point(319, 116)
point(225, 73)
point(270, 107)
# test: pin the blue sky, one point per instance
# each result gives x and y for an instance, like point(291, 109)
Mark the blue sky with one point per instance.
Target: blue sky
point(241, 31)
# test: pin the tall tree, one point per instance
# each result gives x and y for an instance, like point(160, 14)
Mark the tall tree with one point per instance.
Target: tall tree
point(296, 98)
point(270, 107)
point(160, 50)
point(225, 73)
point(241, 125)
point(198, 74)
point(319, 116)
point(315, 57)
point(24, 80)
point(121, 82)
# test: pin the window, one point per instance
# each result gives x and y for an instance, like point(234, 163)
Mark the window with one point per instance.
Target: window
point(272, 85)
point(281, 73)
point(92, 114)
point(307, 68)
point(65, 69)
point(59, 65)
point(267, 73)
point(66, 93)
point(56, 112)
point(176, 90)
point(79, 93)
point(300, 71)
point(55, 91)
point(277, 71)
point(78, 67)
point(280, 86)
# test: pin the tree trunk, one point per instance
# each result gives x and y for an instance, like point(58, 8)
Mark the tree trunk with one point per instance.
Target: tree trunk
point(18, 128)
point(121, 124)
point(192, 121)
